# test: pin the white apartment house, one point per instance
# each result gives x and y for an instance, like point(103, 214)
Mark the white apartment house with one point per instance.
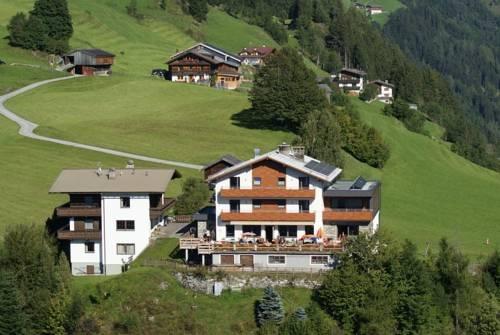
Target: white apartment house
point(285, 210)
point(110, 215)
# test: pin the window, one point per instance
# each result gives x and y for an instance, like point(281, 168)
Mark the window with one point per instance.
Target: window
point(125, 225)
point(309, 230)
point(125, 202)
point(281, 204)
point(89, 224)
point(125, 249)
point(303, 182)
point(88, 200)
point(229, 231)
point(234, 182)
point(89, 247)
point(304, 206)
point(257, 203)
point(276, 259)
point(257, 181)
point(287, 231)
point(319, 260)
point(234, 206)
point(281, 182)
point(252, 229)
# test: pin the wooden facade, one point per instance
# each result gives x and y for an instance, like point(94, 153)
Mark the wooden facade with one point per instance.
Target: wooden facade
point(207, 65)
point(89, 62)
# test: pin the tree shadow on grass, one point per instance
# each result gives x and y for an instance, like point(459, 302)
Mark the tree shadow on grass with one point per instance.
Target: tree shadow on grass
point(248, 118)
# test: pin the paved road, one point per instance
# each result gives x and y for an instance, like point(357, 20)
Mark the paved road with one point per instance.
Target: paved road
point(27, 128)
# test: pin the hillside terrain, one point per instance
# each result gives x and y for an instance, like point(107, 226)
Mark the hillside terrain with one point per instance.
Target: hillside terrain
point(424, 183)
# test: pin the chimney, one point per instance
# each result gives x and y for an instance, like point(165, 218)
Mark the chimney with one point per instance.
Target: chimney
point(298, 152)
point(256, 152)
point(130, 164)
point(112, 173)
point(284, 148)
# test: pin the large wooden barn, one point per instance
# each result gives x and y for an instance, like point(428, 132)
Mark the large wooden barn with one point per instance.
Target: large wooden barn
point(205, 64)
point(88, 62)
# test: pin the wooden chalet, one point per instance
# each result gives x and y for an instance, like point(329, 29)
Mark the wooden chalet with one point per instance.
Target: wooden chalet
point(88, 62)
point(219, 165)
point(352, 81)
point(205, 64)
point(255, 55)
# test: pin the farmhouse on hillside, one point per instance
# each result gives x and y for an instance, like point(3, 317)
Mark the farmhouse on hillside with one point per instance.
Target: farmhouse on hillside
point(110, 215)
point(88, 62)
point(255, 55)
point(283, 211)
point(352, 81)
point(374, 9)
point(384, 91)
point(205, 64)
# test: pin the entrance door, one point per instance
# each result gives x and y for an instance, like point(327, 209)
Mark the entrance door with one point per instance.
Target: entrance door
point(246, 260)
point(269, 233)
point(90, 269)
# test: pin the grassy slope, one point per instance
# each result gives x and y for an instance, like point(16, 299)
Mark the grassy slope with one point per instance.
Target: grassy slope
point(429, 192)
point(176, 310)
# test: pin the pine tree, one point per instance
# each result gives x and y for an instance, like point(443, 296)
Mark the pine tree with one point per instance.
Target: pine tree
point(270, 308)
point(300, 314)
point(55, 16)
point(12, 318)
point(198, 9)
point(321, 136)
point(285, 92)
point(16, 28)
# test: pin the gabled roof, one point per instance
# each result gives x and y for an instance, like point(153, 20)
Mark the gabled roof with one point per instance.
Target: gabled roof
point(193, 52)
point(92, 52)
point(230, 159)
point(216, 54)
point(308, 165)
point(382, 83)
point(122, 180)
point(354, 71)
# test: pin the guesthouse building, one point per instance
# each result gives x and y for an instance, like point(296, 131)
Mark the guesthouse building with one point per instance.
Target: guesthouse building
point(385, 91)
point(351, 81)
point(285, 211)
point(255, 56)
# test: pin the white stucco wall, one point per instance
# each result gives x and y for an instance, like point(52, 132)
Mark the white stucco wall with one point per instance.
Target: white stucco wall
point(78, 254)
point(111, 212)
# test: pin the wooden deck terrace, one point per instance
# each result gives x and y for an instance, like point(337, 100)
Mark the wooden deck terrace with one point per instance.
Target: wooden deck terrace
point(211, 247)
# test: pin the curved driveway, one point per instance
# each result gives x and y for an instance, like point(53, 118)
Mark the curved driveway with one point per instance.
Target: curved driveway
point(27, 128)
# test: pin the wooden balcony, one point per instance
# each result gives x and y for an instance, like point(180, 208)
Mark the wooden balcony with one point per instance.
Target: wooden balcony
point(262, 215)
point(267, 193)
point(78, 210)
point(155, 212)
point(65, 234)
point(347, 214)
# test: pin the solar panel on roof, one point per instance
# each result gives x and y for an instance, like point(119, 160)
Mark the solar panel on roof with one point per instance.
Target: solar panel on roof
point(320, 167)
point(358, 183)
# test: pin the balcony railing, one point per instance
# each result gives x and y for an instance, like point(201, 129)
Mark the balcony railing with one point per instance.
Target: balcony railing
point(76, 210)
point(66, 234)
point(267, 193)
point(268, 247)
point(268, 215)
point(348, 214)
point(155, 212)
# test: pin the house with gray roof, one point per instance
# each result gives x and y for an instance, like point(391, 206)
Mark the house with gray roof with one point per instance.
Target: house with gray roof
point(110, 215)
point(88, 62)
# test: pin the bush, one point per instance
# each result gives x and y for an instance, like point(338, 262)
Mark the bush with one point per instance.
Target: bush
point(412, 119)
point(195, 194)
point(369, 93)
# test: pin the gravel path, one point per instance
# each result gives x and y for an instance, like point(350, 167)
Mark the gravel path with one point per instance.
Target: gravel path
point(26, 129)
